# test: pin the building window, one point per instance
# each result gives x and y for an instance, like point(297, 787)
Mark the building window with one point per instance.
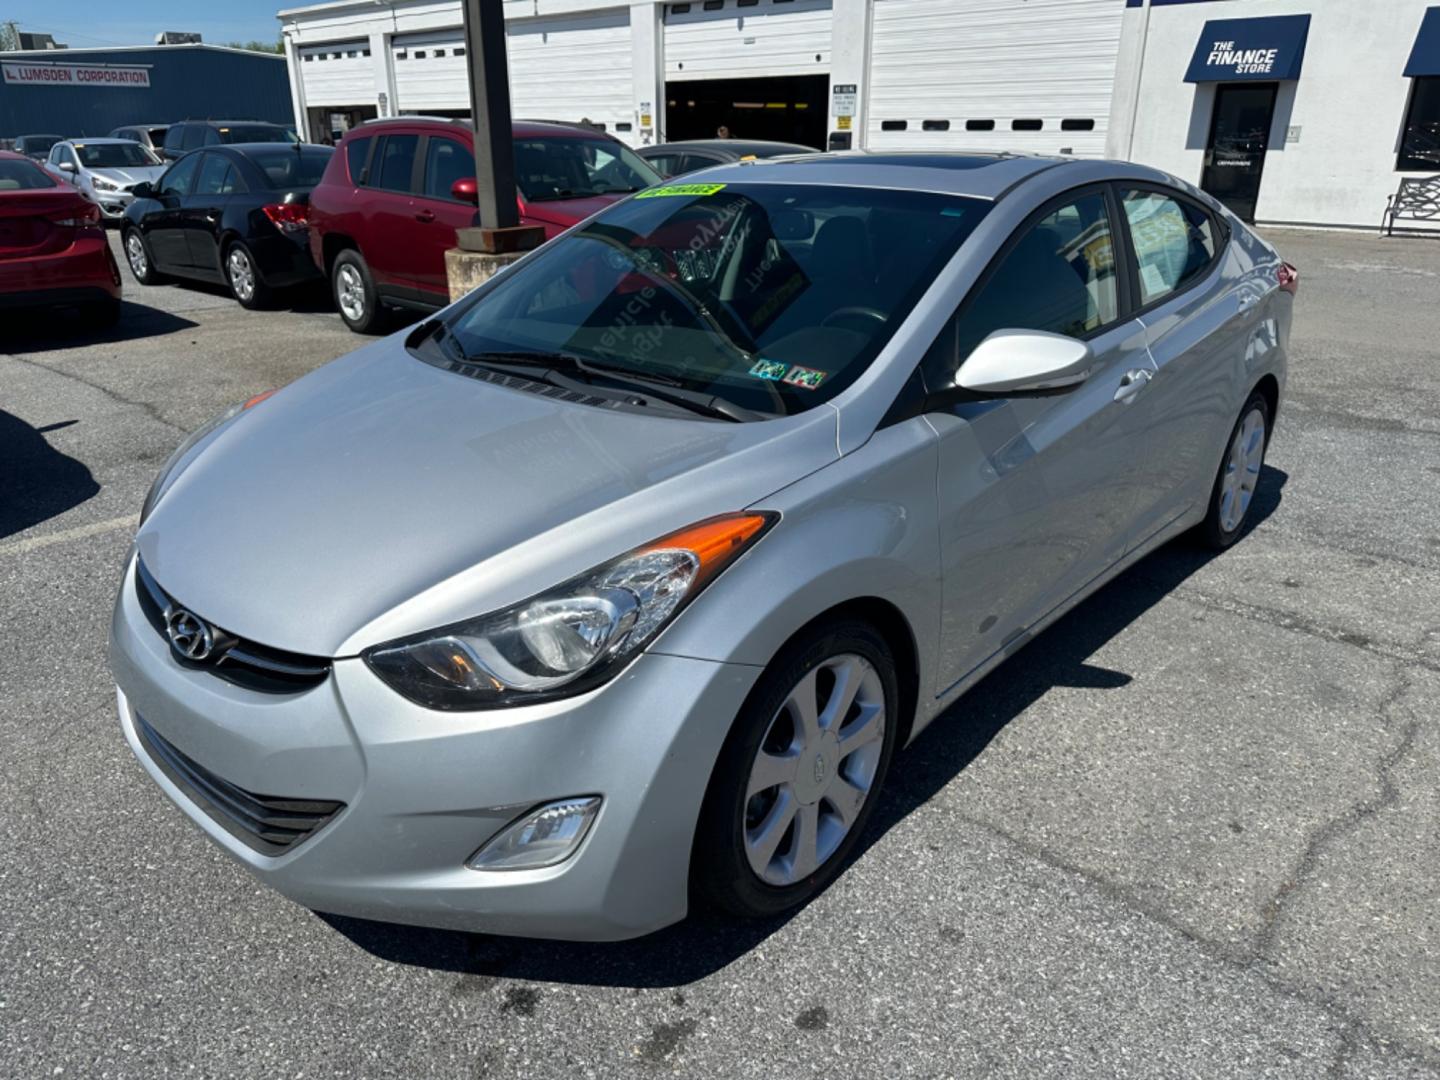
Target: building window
point(624, 125)
point(364, 52)
point(714, 5)
point(439, 53)
point(1027, 125)
point(935, 125)
point(309, 57)
point(979, 125)
point(460, 51)
point(893, 125)
point(419, 54)
point(1420, 145)
point(1077, 125)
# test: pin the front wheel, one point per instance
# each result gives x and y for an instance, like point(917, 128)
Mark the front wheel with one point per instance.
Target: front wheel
point(137, 254)
point(1239, 475)
point(798, 776)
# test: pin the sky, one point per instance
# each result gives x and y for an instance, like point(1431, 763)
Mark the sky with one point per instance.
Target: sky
point(91, 24)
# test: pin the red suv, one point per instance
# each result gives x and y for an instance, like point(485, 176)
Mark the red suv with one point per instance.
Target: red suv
point(388, 205)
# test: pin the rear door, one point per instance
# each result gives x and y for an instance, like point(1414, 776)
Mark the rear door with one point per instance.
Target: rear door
point(164, 226)
point(437, 214)
point(1050, 505)
point(390, 227)
point(203, 210)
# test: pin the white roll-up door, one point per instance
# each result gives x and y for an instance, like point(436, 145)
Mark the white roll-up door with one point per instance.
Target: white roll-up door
point(338, 73)
point(739, 39)
point(430, 72)
point(992, 74)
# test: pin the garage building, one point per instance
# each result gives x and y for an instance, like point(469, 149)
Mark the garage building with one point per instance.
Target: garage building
point(75, 92)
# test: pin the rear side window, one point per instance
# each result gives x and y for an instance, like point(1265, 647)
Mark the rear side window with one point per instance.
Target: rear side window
point(22, 176)
point(446, 161)
point(355, 151)
point(1057, 276)
point(175, 138)
point(213, 172)
point(195, 136)
point(1174, 242)
point(395, 163)
point(286, 168)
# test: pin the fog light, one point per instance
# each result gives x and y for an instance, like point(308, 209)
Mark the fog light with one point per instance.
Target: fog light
point(544, 836)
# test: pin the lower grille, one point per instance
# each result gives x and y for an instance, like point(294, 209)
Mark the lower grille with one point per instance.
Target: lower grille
point(269, 825)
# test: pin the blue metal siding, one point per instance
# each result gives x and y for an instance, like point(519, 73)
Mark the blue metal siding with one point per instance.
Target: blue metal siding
point(186, 82)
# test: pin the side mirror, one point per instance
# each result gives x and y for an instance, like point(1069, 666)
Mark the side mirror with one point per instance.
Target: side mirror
point(1025, 361)
point(464, 190)
point(67, 166)
point(143, 190)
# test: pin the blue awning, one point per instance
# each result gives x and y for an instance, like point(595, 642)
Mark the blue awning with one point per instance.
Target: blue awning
point(1266, 48)
point(1425, 56)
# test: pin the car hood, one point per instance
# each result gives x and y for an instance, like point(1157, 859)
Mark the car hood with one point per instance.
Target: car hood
point(566, 212)
point(129, 175)
point(380, 496)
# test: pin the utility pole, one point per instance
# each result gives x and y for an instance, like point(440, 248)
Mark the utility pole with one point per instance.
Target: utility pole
point(497, 228)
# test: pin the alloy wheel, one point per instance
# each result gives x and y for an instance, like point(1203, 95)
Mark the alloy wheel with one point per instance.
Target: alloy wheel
point(135, 254)
point(1242, 471)
point(242, 273)
point(814, 770)
point(350, 293)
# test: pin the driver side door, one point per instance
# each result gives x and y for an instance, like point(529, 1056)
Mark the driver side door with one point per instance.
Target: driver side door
point(163, 225)
point(1035, 490)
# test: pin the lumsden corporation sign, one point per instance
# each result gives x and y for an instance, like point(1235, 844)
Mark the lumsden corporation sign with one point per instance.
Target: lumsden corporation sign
point(14, 74)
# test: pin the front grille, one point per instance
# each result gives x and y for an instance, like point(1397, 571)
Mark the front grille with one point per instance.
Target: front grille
point(265, 823)
point(244, 663)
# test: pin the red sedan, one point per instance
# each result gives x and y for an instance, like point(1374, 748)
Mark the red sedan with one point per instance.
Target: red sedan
point(53, 251)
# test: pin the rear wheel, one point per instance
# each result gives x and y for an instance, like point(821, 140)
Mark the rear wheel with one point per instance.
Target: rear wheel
point(137, 254)
point(797, 779)
point(245, 282)
point(355, 296)
point(1239, 475)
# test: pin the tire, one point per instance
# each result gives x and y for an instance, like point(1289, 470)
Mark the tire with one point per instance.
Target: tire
point(1238, 476)
point(243, 277)
point(734, 825)
point(137, 255)
point(353, 289)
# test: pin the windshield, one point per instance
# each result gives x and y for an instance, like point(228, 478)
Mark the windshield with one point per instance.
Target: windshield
point(547, 169)
point(114, 155)
point(773, 297)
point(242, 133)
point(22, 176)
point(292, 168)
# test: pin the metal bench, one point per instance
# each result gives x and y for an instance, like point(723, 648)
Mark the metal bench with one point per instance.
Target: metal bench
point(1417, 199)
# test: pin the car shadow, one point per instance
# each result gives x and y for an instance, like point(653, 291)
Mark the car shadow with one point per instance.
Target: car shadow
point(37, 482)
point(44, 330)
point(704, 943)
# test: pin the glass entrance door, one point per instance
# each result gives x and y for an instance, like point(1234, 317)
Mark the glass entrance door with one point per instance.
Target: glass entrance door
point(1239, 136)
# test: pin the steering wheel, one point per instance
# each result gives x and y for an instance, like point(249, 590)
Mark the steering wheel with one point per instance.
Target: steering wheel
point(853, 312)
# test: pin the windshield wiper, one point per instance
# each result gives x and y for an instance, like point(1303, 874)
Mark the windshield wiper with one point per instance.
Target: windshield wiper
point(674, 393)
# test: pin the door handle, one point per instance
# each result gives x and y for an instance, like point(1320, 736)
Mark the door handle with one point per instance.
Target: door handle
point(426, 216)
point(1132, 382)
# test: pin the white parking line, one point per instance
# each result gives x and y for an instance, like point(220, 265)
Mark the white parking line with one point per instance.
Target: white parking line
point(79, 532)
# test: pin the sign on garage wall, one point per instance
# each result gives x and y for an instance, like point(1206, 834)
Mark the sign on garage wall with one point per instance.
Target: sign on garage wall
point(74, 75)
point(843, 99)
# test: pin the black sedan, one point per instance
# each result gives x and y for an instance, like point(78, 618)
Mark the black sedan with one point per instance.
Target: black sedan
point(231, 215)
point(674, 158)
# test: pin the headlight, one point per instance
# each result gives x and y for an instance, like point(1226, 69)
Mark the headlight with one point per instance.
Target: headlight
point(572, 638)
point(167, 473)
point(102, 184)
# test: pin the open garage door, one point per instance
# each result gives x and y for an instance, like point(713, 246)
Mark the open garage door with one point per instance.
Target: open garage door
point(571, 68)
point(992, 75)
point(757, 67)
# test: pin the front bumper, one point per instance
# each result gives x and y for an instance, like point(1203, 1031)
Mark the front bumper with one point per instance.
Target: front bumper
point(113, 204)
point(422, 790)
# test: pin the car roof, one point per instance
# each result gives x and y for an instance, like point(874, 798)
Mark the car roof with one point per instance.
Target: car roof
point(982, 176)
point(738, 147)
point(98, 139)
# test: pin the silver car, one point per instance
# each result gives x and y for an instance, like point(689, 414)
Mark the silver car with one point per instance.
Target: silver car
point(105, 170)
point(616, 585)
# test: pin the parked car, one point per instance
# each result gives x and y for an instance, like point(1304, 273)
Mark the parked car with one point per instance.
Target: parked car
point(53, 252)
point(388, 207)
point(232, 215)
point(622, 581)
point(105, 171)
point(676, 158)
point(36, 146)
point(189, 135)
point(151, 136)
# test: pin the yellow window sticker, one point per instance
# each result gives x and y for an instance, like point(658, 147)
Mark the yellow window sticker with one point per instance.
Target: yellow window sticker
point(681, 189)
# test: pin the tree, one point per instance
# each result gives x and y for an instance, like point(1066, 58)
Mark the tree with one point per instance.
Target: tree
point(277, 46)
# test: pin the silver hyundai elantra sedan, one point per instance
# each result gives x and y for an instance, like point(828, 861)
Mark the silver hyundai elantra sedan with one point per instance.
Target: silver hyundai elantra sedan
point(616, 586)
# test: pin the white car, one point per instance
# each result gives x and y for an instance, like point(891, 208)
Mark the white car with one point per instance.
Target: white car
point(104, 170)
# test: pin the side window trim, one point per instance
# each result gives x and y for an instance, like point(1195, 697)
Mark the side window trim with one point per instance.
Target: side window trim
point(417, 167)
point(1132, 260)
point(363, 180)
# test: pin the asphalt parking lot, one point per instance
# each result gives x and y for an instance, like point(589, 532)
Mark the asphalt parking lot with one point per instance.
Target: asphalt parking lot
point(1192, 830)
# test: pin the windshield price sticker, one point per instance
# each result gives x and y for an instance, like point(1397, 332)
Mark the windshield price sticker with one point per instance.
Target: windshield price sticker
point(681, 190)
point(774, 370)
point(804, 377)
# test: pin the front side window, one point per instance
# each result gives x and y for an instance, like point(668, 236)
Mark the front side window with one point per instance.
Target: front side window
point(115, 155)
point(1059, 277)
point(772, 297)
point(446, 161)
point(213, 172)
point(578, 168)
point(181, 176)
point(1174, 242)
point(1420, 143)
point(394, 163)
